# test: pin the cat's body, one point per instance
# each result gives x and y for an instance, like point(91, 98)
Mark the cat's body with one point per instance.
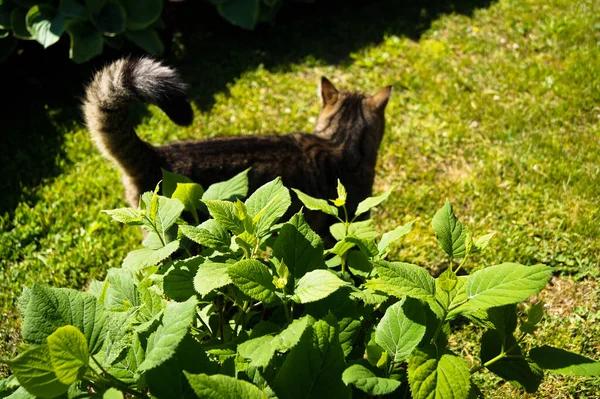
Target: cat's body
point(344, 145)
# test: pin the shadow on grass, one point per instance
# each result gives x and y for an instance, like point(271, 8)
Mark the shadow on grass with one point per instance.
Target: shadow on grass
point(42, 89)
point(327, 31)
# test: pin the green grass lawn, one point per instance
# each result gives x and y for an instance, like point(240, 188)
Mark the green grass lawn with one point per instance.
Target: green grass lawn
point(496, 108)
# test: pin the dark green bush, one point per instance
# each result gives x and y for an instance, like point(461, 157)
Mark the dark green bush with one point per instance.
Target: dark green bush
point(91, 24)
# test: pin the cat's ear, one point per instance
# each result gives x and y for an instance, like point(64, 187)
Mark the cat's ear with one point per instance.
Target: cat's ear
point(329, 93)
point(380, 99)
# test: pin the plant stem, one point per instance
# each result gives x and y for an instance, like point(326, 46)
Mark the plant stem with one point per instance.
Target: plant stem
point(287, 313)
point(116, 383)
point(491, 361)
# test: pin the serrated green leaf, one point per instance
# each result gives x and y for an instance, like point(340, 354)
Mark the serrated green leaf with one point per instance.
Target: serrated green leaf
point(359, 264)
point(364, 230)
point(517, 371)
point(121, 293)
point(189, 194)
point(112, 393)
point(44, 24)
point(178, 281)
point(119, 332)
point(483, 241)
point(450, 232)
point(68, 353)
point(505, 284)
point(364, 379)
point(209, 234)
point(401, 329)
point(86, 41)
point(259, 350)
point(534, 315)
point(268, 204)
point(372, 202)
point(224, 212)
point(34, 371)
point(316, 285)
point(229, 190)
point(394, 235)
point(142, 13)
point(163, 343)
point(405, 279)
point(211, 276)
point(50, 308)
point(146, 257)
point(299, 247)
point(559, 361)
point(435, 372)
point(162, 213)
point(170, 181)
point(222, 387)
point(316, 204)
point(314, 367)
point(254, 279)
point(129, 216)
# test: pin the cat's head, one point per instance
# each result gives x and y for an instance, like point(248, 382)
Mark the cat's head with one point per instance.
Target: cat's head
point(352, 116)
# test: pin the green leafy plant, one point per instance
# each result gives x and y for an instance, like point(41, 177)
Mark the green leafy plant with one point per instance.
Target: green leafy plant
point(90, 24)
point(242, 306)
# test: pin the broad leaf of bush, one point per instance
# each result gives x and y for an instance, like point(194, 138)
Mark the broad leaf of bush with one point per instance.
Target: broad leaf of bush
point(224, 213)
point(142, 16)
point(34, 371)
point(314, 367)
point(110, 20)
point(262, 349)
point(210, 276)
point(121, 293)
point(437, 373)
point(145, 257)
point(45, 24)
point(299, 247)
point(505, 284)
point(268, 203)
point(365, 380)
point(189, 194)
point(317, 285)
point(316, 204)
point(365, 230)
point(119, 333)
point(405, 279)
point(86, 41)
point(450, 232)
point(162, 344)
point(229, 190)
point(517, 371)
point(445, 300)
point(254, 279)
point(170, 181)
point(372, 202)
point(394, 235)
point(129, 216)
point(359, 264)
point(68, 353)
point(559, 361)
point(401, 329)
point(50, 308)
point(146, 39)
point(209, 234)
point(222, 387)
point(243, 13)
point(167, 213)
point(178, 281)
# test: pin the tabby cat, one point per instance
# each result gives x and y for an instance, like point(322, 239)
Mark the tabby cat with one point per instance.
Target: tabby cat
point(344, 144)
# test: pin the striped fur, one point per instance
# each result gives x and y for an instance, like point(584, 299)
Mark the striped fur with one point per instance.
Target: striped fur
point(344, 144)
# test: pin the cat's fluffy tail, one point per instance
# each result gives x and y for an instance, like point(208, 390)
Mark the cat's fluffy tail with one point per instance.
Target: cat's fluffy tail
point(106, 112)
